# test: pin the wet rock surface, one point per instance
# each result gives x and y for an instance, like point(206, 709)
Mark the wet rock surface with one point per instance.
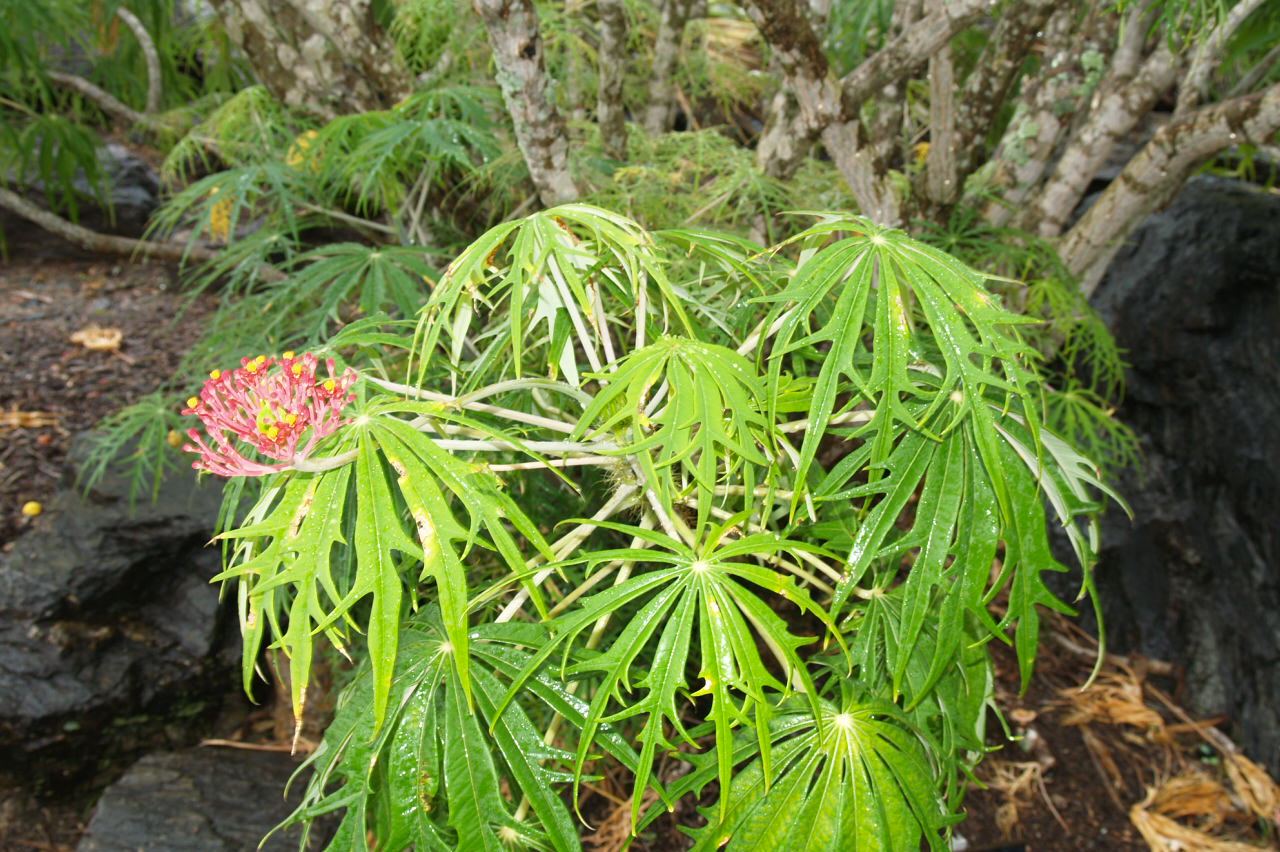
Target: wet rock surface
point(112, 640)
point(1195, 299)
point(197, 800)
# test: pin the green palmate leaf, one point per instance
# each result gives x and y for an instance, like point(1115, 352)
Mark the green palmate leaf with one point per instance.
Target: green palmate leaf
point(686, 410)
point(436, 775)
point(884, 291)
point(568, 268)
point(863, 779)
point(378, 534)
point(288, 546)
point(296, 567)
point(926, 473)
point(704, 588)
point(959, 521)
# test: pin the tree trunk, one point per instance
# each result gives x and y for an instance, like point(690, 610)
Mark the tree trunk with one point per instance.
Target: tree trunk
point(324, 58)
point(829, 107)
point(785, 140)
point(1042, 114)
point(516, 43)
point(613, 44)
point(1158, 170)
point(660, 113)
point(1116, 111)
point(988, 85)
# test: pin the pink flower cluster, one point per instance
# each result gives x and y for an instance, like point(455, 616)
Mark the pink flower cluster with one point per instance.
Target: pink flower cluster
point(272, 405)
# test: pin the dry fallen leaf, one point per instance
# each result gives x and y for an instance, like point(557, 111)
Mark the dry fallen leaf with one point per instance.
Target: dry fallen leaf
point(99, 339)
point(15, 419)
point(1022, 715)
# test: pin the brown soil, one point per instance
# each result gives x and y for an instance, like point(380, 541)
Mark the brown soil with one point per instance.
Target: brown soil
point(53, 388)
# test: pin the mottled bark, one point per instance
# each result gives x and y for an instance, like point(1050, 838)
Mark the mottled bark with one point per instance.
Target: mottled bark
point(318, 56)
point(857, 164)
point(1042, 114)
point(941, 187)
point(1208, 55)
point(785, 140)
point(660, 112)
point(805, 70)
point(829, 107)
point(890, 109)
point(1115, 112)
point(916, 44)
point(1157, 171)
point(516, 42)
point(988, 86)
point(612, 61)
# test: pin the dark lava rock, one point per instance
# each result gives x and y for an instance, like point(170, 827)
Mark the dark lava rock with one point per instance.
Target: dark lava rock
point(199, 800)
point(1195, 299)
point(132, 189)
point(111, 637)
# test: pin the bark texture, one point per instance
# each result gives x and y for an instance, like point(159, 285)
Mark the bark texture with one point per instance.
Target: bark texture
point(1158, 170)
point(941, 187)
point(988, 86)
point(660, 112)
point(1043, 113)
point(609, 110)
point(516, 42)
point(1116, 111)
point(322, 57)
point(1195, 85)
point(829, 107)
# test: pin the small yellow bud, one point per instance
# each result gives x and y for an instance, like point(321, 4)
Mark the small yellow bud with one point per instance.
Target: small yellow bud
point(174, 439)
point(273, 432)
point(215, 374)
point(296, 369)
point(261, 359)
point(290, 418)
point(329, 385)
point(31, 508)
point(252, 366)
point(288, 354)
point(192, 402)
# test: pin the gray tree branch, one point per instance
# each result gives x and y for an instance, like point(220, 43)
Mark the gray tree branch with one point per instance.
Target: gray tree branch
point(516, 42)
point(940, 166)
point(96, 242)
point(155, 81)
point(988, 86)
point(1208, 55)
point(660, 111)
point(111, 105)
point(1158, 170)
point(609, 111)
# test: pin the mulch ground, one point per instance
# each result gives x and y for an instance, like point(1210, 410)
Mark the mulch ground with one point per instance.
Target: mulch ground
point(51, 387)
point(1116, 767)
